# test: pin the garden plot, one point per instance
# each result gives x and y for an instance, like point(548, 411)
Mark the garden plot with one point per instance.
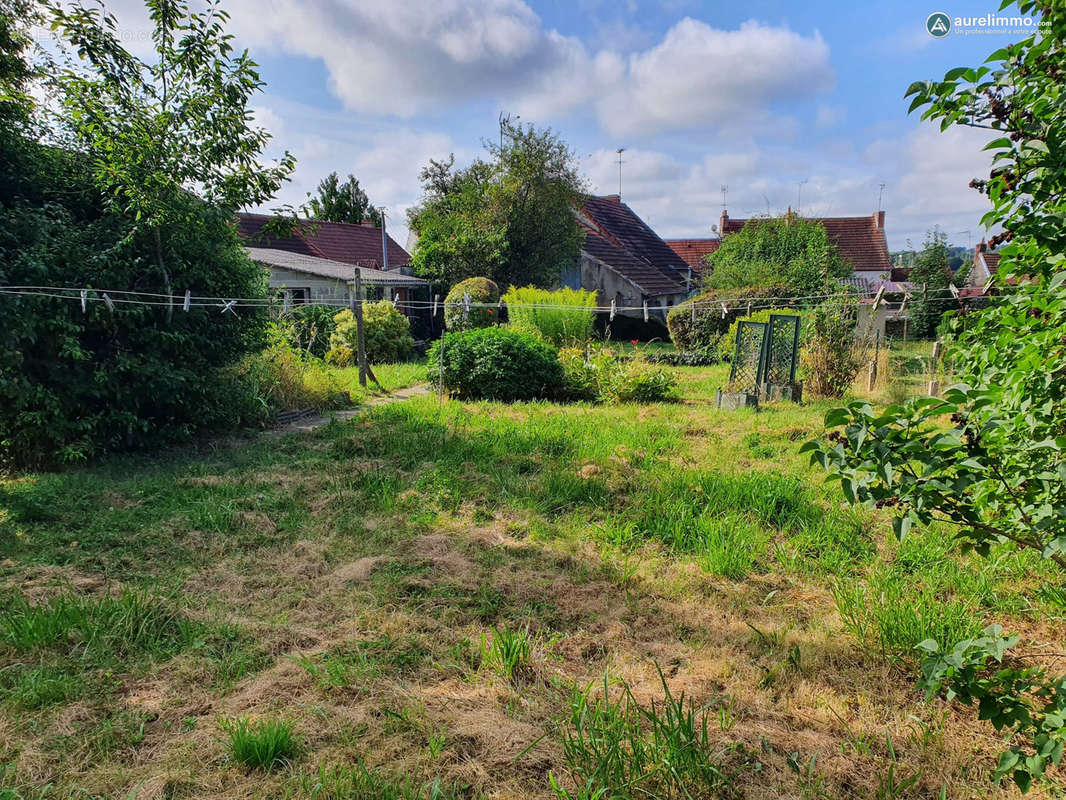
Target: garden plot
point(480, 599)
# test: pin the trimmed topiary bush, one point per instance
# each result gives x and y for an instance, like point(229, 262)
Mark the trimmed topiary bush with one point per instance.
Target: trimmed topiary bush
point(703, 330)
point(387, 335)
point(496, 364)
point(481, 290)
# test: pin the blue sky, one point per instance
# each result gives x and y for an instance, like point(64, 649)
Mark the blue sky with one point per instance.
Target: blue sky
point(758, 96)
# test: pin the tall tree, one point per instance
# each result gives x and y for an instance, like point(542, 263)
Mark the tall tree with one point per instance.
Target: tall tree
point(931, 277)
point(341, 202)
point(177, 124)
point(509, 217)
point(787, 250)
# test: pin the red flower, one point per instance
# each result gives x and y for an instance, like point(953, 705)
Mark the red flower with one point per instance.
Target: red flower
point(634, 341)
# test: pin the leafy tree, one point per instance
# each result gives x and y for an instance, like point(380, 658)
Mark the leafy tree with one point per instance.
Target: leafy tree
point(931, 276)
point(998, 473)
point(787, 250)
point(509, 217)
point(342, 202)
point(158, 130)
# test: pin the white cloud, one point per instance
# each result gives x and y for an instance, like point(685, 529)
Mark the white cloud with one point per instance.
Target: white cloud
point(700, 76)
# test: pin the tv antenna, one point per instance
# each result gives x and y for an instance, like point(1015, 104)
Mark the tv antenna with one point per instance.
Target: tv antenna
point(725, 191)
point(620, 150)
point(799, 194)
point(880, 195)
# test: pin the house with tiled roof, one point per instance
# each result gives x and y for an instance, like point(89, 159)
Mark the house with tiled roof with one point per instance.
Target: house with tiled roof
point(860, 241)
point(985, 264)
point(625, 262)
point(315, 261)
point(694, 252)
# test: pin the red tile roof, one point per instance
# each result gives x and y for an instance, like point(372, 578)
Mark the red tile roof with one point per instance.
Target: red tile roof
point(338, 241)
point(859, 240)
point(623, 241)
point(694, 251)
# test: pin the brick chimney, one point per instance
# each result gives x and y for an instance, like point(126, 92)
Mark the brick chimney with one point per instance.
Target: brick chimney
point(879, 220)
point(614, 198)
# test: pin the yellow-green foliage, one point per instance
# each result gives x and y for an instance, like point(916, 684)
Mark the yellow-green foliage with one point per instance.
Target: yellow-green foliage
point(728, 343)
point(286, 380)
point(601, 375)
point(563, 318)
point(386, 333)
point(480, 291)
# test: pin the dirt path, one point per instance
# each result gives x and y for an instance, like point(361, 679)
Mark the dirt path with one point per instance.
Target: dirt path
point(318, 420)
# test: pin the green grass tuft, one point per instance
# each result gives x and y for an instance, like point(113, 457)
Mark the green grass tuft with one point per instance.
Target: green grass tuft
point(263, 744)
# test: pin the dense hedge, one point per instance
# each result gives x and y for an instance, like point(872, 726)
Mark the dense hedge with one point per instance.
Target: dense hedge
point(703, 330)
point(73, 384)
point(481, 290)
point(496, 364)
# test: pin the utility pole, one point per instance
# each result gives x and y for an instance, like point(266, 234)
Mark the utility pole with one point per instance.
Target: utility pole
point(620, 150)
point(384, 241)
point(799, 195)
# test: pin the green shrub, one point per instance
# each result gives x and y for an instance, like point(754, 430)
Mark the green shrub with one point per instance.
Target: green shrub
point(703, 330)
point(265, 744)
point(309, 328)
point(282, 379)
point(496, 364)
point(834, 350)
point(602, 375)
point(76, 384)
point(480, 290)
point(531, 310)
point(386, 335)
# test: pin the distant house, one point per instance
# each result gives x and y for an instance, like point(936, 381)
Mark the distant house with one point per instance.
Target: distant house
point(694, 252)
point(624, 261)
point(316, 262)
point(985, 264)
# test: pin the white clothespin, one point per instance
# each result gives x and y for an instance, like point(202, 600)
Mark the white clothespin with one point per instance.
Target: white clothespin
point(987, 286)
point(436, 297)
point(614, 308)
point(878, 297)
point(645, 310)
point(724, 310)
point(84, 295)
point(906, 297)
point(396, 300)
point(188, 298)
point(110, 303)
point(749, 308)
point(228, 306)
point(954, 290)
point(466, 303)
point(693, 309)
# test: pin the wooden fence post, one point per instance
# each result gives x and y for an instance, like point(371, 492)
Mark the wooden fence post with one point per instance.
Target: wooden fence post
point(356, 302)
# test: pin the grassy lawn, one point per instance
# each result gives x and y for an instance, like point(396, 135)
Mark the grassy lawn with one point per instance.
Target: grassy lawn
point(439, 595)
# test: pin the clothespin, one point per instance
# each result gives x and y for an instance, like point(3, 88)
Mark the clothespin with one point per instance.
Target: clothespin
point(499, 307)
point(693, 310)
point(436, 297)
point(724, 310)
point(878, 297)
point(84, 295)
point(396, 300)
point(188, 298)
point(906, 297)
point(466, 302)
point(954, 290)
point(645, 310)
point(749, 308)
point(614, 308)
point(110, 303)
point(228, 306)
point(987, 286)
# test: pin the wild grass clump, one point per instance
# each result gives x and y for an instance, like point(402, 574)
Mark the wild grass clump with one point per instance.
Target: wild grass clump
point(563, 318)
point(262, 744)
point(283, 379)
point(509, 652)
point(601, 376)
point(100, 630)
point(890, 614)
point(614, 747)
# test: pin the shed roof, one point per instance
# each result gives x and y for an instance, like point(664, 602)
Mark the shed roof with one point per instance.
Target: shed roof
point(327, 268)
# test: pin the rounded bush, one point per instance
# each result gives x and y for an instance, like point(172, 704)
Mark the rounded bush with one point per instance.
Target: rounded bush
point(481, 290)
point(386, 334)
point(496, 364)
